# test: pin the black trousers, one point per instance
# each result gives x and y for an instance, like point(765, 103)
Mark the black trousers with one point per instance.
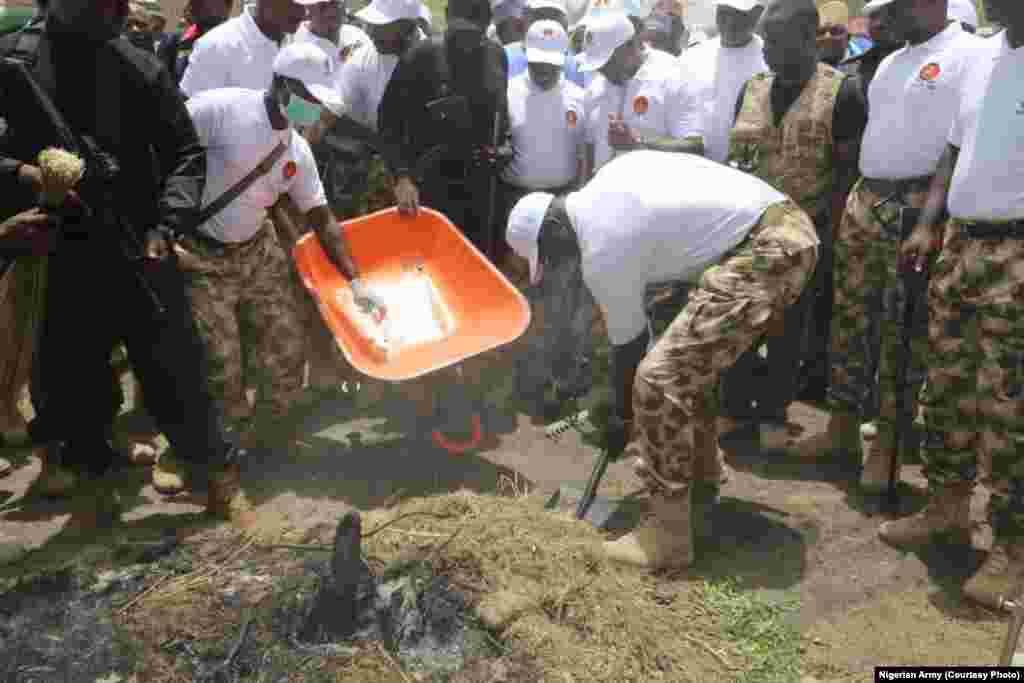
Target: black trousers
point(466, 204)
point(95, 300)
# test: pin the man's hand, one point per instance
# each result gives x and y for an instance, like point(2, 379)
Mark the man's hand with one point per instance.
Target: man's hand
point(407, 196)
point(916, 249)
point(494, 159)
point(620, 135)
point(155, 246)
point(32, 230)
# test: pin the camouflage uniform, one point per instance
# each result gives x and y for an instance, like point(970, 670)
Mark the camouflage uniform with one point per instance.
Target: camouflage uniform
point(974, 398)
point(794, 157)
point(733, 306)
point(867, 326)
point(244, 306)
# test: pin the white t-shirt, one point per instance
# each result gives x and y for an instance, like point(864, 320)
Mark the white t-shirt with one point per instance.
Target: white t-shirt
point(362, 79)
point(235, 54)
point(333, 49)
point(656, 101)
point(911, 103)
point(656, 216)
point(721, 73)
point(235, 129)
point(989, 130)
point(547, 128)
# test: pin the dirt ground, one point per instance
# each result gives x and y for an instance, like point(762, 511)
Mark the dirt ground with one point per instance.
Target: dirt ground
point(783, 528)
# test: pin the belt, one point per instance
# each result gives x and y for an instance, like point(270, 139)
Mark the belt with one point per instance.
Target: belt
point(981, 230)
point(886, 188)
point(218, 247)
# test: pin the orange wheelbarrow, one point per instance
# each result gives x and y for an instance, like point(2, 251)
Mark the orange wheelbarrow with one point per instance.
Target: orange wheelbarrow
point(446, 302)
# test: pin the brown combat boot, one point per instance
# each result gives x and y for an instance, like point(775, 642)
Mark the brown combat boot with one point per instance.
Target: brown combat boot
point(878, 446)
point(999, 577)
point(227, 500)
point(663, 541)
point(841, 436)
point(55, 480)
point(948, 512)
point(170, 474)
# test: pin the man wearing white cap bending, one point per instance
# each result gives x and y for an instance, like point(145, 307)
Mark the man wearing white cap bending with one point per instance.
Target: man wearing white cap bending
point(236, 271)
point(640, 99)
point(240, 52)
point(722, 65)
point(911, 103)
point(651, 216)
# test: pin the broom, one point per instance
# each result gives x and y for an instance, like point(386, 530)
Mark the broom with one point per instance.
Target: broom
point(23, 286)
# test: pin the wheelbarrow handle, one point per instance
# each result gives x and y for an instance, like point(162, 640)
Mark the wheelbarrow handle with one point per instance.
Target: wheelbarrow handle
point(596, 475)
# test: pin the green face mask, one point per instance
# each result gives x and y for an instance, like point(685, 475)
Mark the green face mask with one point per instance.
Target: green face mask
point(302, 112)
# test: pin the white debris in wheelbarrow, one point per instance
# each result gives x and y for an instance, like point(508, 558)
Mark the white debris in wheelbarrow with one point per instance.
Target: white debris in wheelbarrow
point(416, 313)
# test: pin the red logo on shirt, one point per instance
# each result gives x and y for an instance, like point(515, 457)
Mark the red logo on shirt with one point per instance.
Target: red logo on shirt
point(640, 105)
point(570, 118)
point(549, 33)
point(347, 51)
point(290, 169)
point(929, 72)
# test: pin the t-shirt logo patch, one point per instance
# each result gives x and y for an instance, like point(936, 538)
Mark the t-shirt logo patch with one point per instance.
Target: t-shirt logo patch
point(549, 33)
point(570, 118)
point(290, 169)
point(640, 105)
point(347, 51)
point(929, 72)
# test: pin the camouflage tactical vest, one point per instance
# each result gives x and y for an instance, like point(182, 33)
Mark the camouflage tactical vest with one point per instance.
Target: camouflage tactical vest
point(795, 157)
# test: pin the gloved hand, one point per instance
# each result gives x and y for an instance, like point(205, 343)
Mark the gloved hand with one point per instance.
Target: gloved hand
point(494, 159)
point(368, 300)
point(617, 436)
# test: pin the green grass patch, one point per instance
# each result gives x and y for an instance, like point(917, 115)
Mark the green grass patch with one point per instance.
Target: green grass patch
point(759, 631)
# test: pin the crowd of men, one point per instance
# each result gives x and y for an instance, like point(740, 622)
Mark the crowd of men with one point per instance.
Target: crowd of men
point(778, 212)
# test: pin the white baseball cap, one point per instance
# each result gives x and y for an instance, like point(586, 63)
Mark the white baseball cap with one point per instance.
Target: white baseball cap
point(524, 228)
point(546, 43)
point(604, 34)
point(963, 11)
point(386, 11)
point(875, 5)
point(546, 4)
point(307, 63)
point(741, 5)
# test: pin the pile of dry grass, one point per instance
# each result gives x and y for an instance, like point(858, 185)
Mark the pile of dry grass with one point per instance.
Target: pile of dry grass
point(581, 618)
point(567, 615)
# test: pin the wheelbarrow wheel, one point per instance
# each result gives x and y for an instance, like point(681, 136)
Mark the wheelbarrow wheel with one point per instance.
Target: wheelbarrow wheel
point(460, 446)
point(456, 411)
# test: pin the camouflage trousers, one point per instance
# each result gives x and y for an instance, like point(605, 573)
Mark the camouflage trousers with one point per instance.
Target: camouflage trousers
point(245, 306)
point(733, 306)
point(867, 322)
point(974, 398)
